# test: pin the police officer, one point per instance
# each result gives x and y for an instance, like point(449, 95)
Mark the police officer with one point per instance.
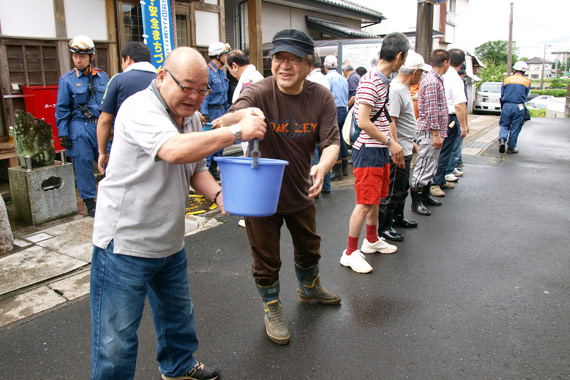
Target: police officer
point(216, 104)
point(76, 112)
point(514, 92)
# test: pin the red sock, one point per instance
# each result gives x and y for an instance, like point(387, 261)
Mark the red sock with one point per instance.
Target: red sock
point(352, 245)
point(371, 233)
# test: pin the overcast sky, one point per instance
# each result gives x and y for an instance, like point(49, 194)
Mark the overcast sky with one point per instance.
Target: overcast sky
point(535, 23)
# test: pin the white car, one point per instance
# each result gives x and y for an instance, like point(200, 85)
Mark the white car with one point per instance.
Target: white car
point(540, 102)
point(488, 98)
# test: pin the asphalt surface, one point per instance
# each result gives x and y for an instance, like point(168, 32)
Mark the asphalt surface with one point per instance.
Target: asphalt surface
point(481, 290)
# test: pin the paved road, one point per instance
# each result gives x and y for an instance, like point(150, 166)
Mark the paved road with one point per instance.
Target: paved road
point(481, 290)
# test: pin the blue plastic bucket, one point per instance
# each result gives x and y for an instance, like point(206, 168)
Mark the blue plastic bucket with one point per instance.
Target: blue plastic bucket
point(249, 191)
point(206, 127)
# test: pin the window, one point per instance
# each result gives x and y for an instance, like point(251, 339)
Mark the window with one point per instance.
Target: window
point(451, 12)
point(534, 76)
point(132, 22)
point(32, 63)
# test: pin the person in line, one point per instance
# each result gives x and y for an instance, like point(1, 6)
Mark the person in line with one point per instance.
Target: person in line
point(339, 89)
point(402, 112)
point(246, 74)
point(371, 153)
point(137, 74)
point(432, 129)
point(353, 79)
point(299, 113)
point(457, 127)
point(216, 103)
point(514, 92)
point(316, 75)
point(457, 156)
point(76, 112)
point(138, 234)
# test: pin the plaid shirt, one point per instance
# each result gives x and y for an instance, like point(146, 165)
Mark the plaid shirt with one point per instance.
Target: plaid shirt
point(432, 105)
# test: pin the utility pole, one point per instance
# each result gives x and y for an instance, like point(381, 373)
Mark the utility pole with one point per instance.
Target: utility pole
point(510, 54)
point(424, 29)
point(542, 74)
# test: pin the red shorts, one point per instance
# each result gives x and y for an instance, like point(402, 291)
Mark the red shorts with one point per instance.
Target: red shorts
point(371, 184)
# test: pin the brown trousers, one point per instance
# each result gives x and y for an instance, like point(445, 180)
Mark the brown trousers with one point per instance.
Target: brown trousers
point(264, 234)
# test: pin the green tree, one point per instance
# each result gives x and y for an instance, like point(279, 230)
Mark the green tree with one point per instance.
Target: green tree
point(496, 52)
point(493, 73)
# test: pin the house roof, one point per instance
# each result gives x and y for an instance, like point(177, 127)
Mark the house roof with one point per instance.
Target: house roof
point(337, 8)
point(336, 29)
point(353, 6)
point(536, 60)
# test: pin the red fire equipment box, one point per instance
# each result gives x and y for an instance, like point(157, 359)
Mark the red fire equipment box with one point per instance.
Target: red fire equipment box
point(40, 101)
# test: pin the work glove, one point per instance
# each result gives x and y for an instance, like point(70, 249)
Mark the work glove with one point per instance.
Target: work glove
point(65, 142)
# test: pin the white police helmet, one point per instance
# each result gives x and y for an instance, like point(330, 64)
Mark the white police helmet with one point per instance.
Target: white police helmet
point(217, 48)
point(520, 66)
point(82, 45)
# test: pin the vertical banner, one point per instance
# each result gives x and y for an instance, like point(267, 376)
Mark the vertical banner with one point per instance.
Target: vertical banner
point(157, 29)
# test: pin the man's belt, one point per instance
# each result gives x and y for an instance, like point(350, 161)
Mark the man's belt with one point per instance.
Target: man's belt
point(90, 121)
point(217, 106)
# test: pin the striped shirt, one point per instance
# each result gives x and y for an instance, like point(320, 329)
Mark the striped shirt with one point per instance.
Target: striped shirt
point(372, 90)
point(432, 104)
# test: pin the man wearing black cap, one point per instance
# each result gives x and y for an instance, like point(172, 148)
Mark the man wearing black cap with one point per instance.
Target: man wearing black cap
point(299, 114)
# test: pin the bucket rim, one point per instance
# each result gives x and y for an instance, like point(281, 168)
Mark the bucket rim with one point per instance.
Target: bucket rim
point(249, 160)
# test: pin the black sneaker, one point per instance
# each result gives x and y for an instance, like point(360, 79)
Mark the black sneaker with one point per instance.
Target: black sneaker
point(512, 150)
point(90, 206)
point(502, 146)
point(200, 371)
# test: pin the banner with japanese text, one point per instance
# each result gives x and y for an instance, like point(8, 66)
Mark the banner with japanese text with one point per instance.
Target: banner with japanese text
point(157, 29)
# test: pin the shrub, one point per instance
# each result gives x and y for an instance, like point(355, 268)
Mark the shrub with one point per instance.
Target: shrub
point(554, 92)
point(556, 83)
point(537, 113)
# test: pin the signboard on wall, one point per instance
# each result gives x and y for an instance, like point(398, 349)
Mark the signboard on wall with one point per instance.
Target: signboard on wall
point(157, 29)
point(361, 54)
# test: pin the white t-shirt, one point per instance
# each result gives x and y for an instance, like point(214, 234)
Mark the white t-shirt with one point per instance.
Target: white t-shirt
point(141, 201)
point(402, 108)
point(454, 89)
point(317, 76)
point(250, 75)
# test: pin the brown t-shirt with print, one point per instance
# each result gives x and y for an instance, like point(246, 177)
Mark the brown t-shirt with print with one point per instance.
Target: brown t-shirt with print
point(295, 123)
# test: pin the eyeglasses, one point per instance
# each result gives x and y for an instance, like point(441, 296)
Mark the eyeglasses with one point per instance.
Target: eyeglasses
point(190, 90)
point(279, 59)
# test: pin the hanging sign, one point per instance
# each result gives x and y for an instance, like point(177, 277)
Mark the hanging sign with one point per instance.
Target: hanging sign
point(157, 29)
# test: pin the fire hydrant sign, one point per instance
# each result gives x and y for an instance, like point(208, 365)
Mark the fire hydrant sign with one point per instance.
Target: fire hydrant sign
point(157, 29)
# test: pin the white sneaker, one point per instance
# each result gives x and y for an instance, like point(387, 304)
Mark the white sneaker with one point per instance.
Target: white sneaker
point(451, 178)
point(241, 223)
point(355, 261)
point(457, 172)
point(380, 246)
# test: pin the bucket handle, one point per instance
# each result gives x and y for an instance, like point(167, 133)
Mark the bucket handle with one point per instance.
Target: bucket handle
point(255, 153)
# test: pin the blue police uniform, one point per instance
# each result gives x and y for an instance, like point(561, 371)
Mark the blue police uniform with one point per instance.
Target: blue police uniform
point(216, 104)
point(76, 114)
point(514, 92)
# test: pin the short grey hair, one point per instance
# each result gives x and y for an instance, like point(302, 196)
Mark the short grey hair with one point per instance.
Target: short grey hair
point(347, 66)
point(406, 71)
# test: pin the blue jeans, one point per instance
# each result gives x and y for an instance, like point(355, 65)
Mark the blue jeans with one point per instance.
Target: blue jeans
point(119, 286)
point(341, 113)
point(446, 151)
point(315, 160)
point(456, 156)
point(511, 122)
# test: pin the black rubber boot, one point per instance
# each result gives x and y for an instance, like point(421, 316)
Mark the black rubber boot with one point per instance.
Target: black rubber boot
point(213, 169)
point(309, 286)
point(427, 198)
point(385, 227)
point(417, 205)
point(90, 204)
point(344, 167)
point(336, 172)
point(275, 326)
point(400, 220)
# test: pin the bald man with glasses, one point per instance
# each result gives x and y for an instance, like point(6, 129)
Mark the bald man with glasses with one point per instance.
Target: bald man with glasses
point(138, 236)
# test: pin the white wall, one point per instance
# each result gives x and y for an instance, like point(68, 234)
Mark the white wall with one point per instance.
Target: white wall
point(207, 28)
point(86, 17)
point(27, 18)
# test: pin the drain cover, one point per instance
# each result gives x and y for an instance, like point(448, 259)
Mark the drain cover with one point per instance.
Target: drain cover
point(482, 160)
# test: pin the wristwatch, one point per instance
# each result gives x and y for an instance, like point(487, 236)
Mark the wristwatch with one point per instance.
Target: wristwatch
point(389, 141)
point(236, 131)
